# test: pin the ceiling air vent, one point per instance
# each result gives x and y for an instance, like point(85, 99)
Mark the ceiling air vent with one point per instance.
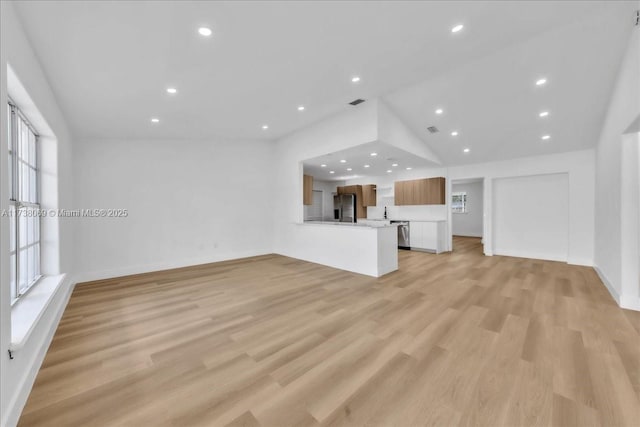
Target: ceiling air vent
point(433, 129)
point(357, 101)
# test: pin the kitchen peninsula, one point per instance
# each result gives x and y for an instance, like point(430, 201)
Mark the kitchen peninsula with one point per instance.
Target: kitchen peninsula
point(370, 249)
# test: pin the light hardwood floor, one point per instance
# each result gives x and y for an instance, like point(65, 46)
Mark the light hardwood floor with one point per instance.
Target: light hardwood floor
point(451, 339)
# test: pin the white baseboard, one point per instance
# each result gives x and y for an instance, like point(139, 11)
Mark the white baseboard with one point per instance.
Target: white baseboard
point(40, 343)
point(148, 268)
point(580, 261)
point(371, 272)
point(630, 303)
point(607, 284)
point(468, 235)
point(626, 302)
point(531, 255)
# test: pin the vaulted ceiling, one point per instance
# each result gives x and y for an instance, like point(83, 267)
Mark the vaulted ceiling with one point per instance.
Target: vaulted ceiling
point(110, 63)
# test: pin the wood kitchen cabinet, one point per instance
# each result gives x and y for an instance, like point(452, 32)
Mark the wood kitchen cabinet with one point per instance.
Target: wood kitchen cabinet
point(307, 190)
point(369, 195)
point(351, 189)
point(436, 191)
point(405, 193)
point(426, 191)
point(399, 195)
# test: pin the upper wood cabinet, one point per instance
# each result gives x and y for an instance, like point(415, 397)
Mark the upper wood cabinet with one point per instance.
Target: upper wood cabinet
point(426, 191)
point(350, 189)
point(369, 195)
point(436, 191)
point(307, 190)
point(399, 193)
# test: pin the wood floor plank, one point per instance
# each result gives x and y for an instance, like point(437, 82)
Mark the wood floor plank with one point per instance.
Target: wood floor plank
point(449, 339)
point(531, 401)
point(498, 377)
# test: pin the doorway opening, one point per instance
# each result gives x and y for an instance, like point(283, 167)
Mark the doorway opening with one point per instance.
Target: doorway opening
point(467, 214)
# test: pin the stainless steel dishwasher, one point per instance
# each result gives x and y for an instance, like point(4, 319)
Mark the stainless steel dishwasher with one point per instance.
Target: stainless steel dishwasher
point(404, 242)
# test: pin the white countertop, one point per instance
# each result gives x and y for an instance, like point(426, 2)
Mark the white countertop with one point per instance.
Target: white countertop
point(348, 224)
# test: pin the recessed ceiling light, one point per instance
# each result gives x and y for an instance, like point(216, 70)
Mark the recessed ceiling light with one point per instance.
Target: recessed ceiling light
point(394, 165)
point(457, 28)
point(265, 127)
point(343, 161)
point(439, 111)
point(389, 171)
point(366, 166)
point(466, 150)
point(332, 171)
point(408, 169)
point(301, 108)
point(155, 120)
point(544, 114)
point(374, 154)
point(349, 169)
point(204, 31)
point(172, 90)
point(545, 137)
point(355, 79)
point(454, 133)
point(541, 81)
point(323, 165)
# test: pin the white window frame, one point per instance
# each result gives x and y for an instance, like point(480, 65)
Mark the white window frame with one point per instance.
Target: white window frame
point(24, 209)
point(464, 208)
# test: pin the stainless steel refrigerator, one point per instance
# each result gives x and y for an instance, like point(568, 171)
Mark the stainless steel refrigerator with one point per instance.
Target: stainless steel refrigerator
point(344, 208)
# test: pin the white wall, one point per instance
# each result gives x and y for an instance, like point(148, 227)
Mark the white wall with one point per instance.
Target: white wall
point(531, 216)
point(624, 108)
point(579, 165)
point(469, 223)
point(630, 222)
point(189, 202)
point(18, 374)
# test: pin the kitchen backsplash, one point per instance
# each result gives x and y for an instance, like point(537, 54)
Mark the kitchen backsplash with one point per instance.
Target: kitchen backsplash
point(426, 212)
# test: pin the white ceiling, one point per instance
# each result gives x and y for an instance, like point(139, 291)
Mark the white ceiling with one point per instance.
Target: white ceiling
point(494, 103)
point(359, 156)
point(109, 64)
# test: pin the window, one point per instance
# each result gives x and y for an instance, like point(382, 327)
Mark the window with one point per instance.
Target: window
point(459, 202)
point(24, 236)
